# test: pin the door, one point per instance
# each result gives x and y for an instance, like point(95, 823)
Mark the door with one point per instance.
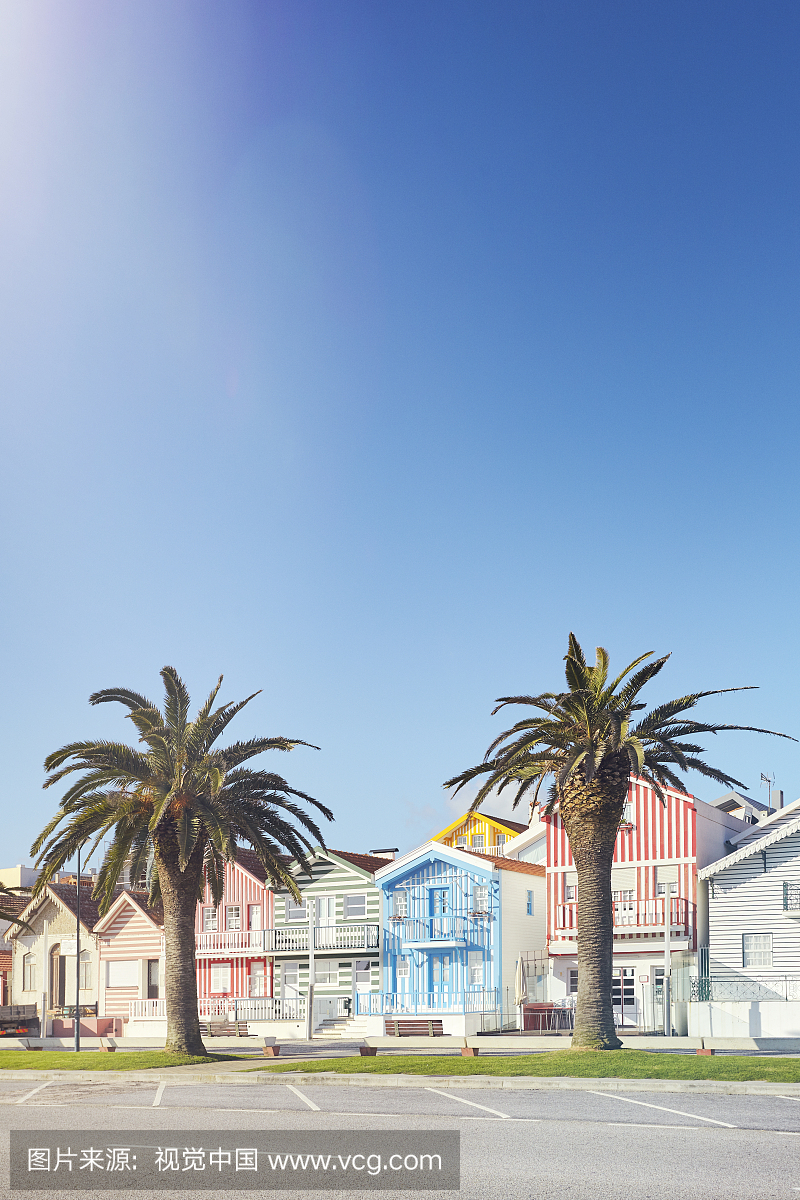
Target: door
point(440, 975)
point(257, 979)
point(326, 910)
point(325, 1009)
point(290, 980)
point(439, 902)
point(152, 979)
point(623, 995)
point(58, 979)
point(363, 975)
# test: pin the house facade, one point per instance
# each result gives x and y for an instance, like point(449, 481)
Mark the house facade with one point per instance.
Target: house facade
point(455, 923)
point(750, 986)
point(658, 851)
point(481, 832)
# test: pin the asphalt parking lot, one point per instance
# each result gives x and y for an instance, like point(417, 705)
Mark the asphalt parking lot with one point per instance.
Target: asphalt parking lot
point(526, 1143)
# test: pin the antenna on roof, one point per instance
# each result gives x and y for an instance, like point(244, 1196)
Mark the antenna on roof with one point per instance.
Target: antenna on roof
point(769, 783)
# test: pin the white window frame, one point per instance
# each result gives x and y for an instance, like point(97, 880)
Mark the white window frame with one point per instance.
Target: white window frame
point(570, 892)
point(400, 902)
point(29, 972)
point(295, 911)
point(252, 909)
point(233, 917)
point(210, 920)
point(403, 967)
point(572, 981)
point(478, 841)
point(500, 839)
point(759, 951)
point(353, 901)
point(462, 840)
point(218, 975)
point(85, 982)
point(326, 973)
point(475, 968)
point(480, 897)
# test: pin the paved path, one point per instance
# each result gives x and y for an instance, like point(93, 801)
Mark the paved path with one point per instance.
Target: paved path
point(527, 1143)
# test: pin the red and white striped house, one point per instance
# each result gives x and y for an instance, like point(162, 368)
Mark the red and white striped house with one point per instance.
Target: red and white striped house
point(658, 851)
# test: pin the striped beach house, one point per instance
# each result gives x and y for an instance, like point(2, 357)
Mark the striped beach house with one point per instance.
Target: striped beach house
point(455, 923)
point(658, 851)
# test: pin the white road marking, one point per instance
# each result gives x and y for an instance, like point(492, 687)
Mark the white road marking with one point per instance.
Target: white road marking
point(159, 1094)
point(305, 1099)
point(676, 1112)
point(28, 1095)
point(797, 1101)
point(461, 1100)
point(647, 1125)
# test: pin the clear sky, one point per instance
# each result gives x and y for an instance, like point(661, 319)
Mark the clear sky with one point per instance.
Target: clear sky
point(361, 350)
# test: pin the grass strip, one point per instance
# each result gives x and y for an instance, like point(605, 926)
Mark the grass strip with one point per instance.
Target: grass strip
point(95, 1060)
point(575, 1064)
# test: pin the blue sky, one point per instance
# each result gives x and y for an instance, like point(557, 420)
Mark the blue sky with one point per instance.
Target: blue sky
point(360, 351)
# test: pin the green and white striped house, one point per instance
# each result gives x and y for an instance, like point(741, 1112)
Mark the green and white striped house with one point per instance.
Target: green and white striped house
point(342, 906)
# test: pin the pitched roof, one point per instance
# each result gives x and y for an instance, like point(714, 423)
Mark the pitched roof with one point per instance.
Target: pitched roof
point(516, 825)
point(15, 903)
point(252, 863)
point(366, 862)
point(5, 960)
point(769, 839)
point(67, 894)
point(506, 864)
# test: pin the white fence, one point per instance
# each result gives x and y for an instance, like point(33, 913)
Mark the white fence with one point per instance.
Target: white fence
point(409, 1003)
point(268, 1008)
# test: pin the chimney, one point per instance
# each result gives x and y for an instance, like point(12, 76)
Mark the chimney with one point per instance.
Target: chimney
point(389, 853)
point(776, 797)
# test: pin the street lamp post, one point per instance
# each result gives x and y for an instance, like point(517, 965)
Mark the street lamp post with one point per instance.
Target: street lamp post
point(78, 961)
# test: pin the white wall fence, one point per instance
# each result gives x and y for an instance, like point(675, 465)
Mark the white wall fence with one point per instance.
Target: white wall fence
point(230, 1009)
point(410, 1003)
point(287, 938)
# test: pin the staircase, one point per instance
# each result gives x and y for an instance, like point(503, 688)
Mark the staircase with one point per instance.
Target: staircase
point(347, 1029)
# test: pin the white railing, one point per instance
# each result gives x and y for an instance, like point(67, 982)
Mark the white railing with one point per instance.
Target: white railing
point(245, 941)
point(409, 1003)
point(636, 913)
point(432, 929)
point(229, 1008)
point(286, 938)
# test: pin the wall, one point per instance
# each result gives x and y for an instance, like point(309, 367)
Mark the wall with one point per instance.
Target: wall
point(739, 1018)
point(520, 932)
point(61, 926)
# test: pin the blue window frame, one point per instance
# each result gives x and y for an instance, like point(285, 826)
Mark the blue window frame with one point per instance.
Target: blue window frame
point(529, 904)
point(440, 902)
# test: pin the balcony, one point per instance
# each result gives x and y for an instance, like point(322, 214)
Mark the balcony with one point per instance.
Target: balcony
point(630, 916)
point(230, 942)
point(791, 899)
point(435, 931)
point(286, 939)
point(400, 1004)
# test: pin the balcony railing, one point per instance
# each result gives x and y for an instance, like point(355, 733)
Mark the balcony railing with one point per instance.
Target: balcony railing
point(791, 898)
point(634, 914)
point(432, 929)
point(714, 987)
point(410, 1003)
point(288, 938)
point(232, 1008)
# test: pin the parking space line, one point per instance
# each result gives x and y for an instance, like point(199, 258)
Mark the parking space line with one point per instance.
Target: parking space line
point(28, 1095)
point(797, 1101)
point(159, 1094)
point(461, 1100)
point(647, 1125)
point(314, 1107)
point(676, 1112)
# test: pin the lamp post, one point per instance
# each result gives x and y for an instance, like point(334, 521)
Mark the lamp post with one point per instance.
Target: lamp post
point(78, 960)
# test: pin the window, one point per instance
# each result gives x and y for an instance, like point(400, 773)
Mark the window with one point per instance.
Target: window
point(572, 983)
point(257, 979)
point(480, 898)
point(354, 907)
point(29, 973)
point(291, 977)
point(86, 970)
point(295, 911)
point(478, 841)
point(441, 969)
point(440, 901)
point(122, 973)
point(627, 813)
point(500, 839)
point(254, 916)
point(403, 970)
point(152, 979)
point(475, 968)
point(400, 902)
point(326, 973)
point(363, 973)
point(570, 891)
point(221, 977)
point(529, 903)
point(462, 841)
point(757, 950)
point(209, 920)
point(536, 852)
point(233, 918)
point(661, 888)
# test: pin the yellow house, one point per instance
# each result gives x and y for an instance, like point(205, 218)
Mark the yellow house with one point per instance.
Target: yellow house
point(480, 832)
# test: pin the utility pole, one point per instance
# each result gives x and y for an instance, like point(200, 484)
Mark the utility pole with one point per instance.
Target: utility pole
point(78, 963)
point(667, 963)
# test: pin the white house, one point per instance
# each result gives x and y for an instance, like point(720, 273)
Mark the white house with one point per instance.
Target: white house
point(752, 984)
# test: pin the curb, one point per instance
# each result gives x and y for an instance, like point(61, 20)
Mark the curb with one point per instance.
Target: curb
point(718, 1087)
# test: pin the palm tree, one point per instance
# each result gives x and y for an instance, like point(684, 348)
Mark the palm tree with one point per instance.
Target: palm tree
point(589, 742)
point(178, 810)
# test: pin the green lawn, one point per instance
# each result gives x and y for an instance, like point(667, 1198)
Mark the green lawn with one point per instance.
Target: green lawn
point(95, 1060)
point(611, 1064)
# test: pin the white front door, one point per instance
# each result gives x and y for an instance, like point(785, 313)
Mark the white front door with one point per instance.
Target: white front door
point(290, 980)
point(326, 910)
point(623, 995)
point(363, 975)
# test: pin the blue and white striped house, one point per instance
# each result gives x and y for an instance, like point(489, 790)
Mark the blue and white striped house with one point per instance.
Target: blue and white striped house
point(455, 923)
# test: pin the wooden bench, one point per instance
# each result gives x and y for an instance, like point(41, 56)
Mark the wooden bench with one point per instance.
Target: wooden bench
point(223, 1029)
point(416, 1028)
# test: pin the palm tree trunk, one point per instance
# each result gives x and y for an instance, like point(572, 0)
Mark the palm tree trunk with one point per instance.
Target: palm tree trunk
point(591, 814)
point(179, 891)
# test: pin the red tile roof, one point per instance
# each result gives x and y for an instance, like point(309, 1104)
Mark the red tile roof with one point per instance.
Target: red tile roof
point(367, 862)
point(507, 864)
point(5, 961)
